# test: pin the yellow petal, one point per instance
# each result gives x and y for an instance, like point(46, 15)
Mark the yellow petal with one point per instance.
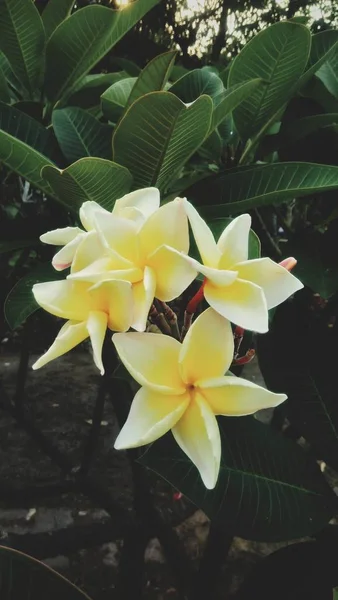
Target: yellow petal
point(151, 415)
point(89, 250)
point(236, 397)
point(152, 359)
point(198, 435)
point(143, 294)
point(104, 269)
point(146, 201)
point(64, 258)
point(118, 234)
point(243, 303)
point(87, 214)
point(208, 348)
point(234, 242)
point(97, 327)
point(60, 237)
point(173, 272)
point(65, 299)
point(167, 226)
point(70, 335)
point(214, 275)
point(203, 236)
point(115, 298)
point(277, 283)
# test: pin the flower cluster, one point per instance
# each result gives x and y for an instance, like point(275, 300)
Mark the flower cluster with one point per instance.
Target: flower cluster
point(124, 259)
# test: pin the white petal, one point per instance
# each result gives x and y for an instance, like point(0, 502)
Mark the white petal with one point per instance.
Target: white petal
point(152, 360)
point(167, 226)
point(208, 348)
point(236, 397)
point(64, 258)
point(203, 236)
point(234, 242)
point(173, 273)
point(60, 237)
point(65, 299)
point(214, 275)
point(97, 327)
point(243, 303)
point(87, 213)
point(89, 250)
point(198, 435)
point(102, 270)
point(151, 415)
point(70, 335)
point(277, 283)
point(115, 298)
point(118, 234)
point(146, 200)
point(143, 294)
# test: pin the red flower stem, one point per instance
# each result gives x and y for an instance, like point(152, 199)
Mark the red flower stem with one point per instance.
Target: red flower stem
point(196, 300)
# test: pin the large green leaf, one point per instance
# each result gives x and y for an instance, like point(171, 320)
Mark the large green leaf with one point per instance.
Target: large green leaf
point(328, 72)
point(232, 97)
point(4, 89)
point(261, 185)
point(195, 83)
point(268, 489)
point(55, 12)
point(305, 126)
point(154, 76)
point(10, 78)
point(23, 578)
point(158, 134)
point(304, 351)
point(83, 39)
point(92, 87)
point(89, 179)
point(324, 48)
point(22, 40)
point(24, 145)
point(278, 55)
point(115, 98)
point(80, 134)
point(20, 302)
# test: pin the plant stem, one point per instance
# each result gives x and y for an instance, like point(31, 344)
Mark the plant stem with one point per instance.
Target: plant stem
point(196, 299)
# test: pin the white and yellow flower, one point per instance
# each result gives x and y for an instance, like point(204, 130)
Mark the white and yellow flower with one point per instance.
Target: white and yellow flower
point(239, 289)
point(184, 387)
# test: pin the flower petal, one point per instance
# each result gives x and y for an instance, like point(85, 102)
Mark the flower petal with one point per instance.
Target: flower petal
point(97, 327)
point(89, 250)
point(215, 276)
point(87, 213)
point(167, 226)
point(151, 415)
point(236, 397)
point(203, 236)
point(152, 359)
point(197, 433)
point(118, 234)
point(208, 348)
point(234, 242)
point(65, 299)
point(173, 273)
point(146, 200)
point(103, 270)
point(64, 258)
point(277, 283)
point(60, 237)
point(115, 298)
point(243, 303)
point(70, 335)
point(143, 294)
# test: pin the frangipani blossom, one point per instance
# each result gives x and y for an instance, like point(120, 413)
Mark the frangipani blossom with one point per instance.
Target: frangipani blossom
point(184, 388)
point(137, 206)
point(241, 290)
point(89, 310)
point(151, 256)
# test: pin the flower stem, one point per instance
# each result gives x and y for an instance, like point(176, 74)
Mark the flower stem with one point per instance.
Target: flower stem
point(196, 300)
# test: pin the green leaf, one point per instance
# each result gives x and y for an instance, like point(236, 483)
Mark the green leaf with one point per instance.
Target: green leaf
point(232, 97)
point(80, 134)
point(92, 87)
point(154, 76)
point(83, 39)
point(131, 68)
point(22, 577)
point(4, 89)
point(305, 126)
point(16, 245)
point(22, 41)
point(304, 366)
point(10, 78)
point(155, 154)
point(278, 55)
point(262, 185)
point(55, 12)
point(324, 48)
point(115, 98)
point(89, 179)
point(268, 488)
point(328, 73)
point(195, 83)
point(24, 145)
point(20, 302)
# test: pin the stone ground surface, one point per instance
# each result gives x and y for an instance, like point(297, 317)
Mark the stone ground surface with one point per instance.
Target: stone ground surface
point(61, 398)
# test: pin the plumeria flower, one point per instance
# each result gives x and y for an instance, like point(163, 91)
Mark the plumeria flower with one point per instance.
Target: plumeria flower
point(241, 290)
point(184, 388)
point(151, 256)
point(137, 206)
point(89, 310)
